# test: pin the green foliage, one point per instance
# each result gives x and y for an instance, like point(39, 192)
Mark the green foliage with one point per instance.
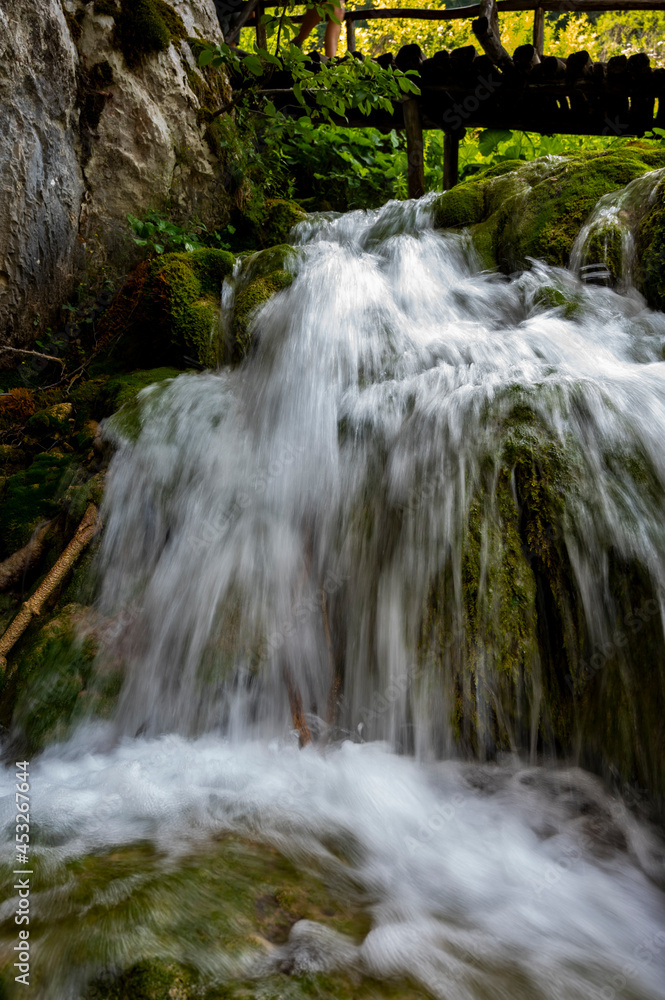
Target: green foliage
point(156, 232)
point(341, 168)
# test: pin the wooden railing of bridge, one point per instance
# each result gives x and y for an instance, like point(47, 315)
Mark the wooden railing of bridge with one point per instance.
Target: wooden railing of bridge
point(531, 91)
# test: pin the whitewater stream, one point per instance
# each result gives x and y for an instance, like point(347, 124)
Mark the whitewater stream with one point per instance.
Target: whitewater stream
point(271, 536)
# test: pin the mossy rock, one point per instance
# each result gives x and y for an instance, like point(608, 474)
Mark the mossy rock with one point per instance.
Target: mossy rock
point(136, 923)
point(521, 626)
point(148, 980)
point(31, 496)
point(537, 210)
point(144, 27)
point(650, 262)
point(133, 396)
point(168, 312)
point(461, 206)
point(263, 274)
point(50, 424)
point(48, 684)
point(263, 223)
point(280, 218)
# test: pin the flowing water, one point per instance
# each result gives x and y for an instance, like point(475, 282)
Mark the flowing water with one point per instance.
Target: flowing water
point(278, 531)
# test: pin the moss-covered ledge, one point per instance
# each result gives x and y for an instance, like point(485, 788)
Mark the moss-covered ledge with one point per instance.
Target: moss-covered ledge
point(262, 276)
point(517, 211)
point(168, 312)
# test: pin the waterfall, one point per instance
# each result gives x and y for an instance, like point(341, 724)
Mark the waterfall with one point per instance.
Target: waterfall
point(412, 509)
point(606, 238)
point(301, 516)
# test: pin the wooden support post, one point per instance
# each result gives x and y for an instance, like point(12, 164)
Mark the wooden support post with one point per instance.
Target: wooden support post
point(414, 148)
point(261, 37)
point(450, 159)
point(539, 30)
point(350, 34)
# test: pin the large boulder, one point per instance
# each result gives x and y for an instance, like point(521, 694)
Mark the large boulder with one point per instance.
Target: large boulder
point(100, 116)
point(518, 212)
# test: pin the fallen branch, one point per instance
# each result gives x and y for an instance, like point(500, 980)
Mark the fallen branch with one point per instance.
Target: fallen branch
point(85, 532)
point(34, 354)
point(18, 564)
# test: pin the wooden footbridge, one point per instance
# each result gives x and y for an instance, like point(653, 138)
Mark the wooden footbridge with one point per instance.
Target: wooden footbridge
point(527, 90)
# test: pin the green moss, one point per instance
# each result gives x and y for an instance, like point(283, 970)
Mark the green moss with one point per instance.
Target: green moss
point(537, 209)
point(554, 297)
point(186, 306)
point(169, 311)
point(264, 274)
point(146, 26)
point(136, 921)
point(605, 246)
point(280, 218)
point(519, 629)
point(149, 980)
point(650, 264)
point(30, 497)
point(106, 7)
point(129, 405)
point(461, 206)
point(52, 673)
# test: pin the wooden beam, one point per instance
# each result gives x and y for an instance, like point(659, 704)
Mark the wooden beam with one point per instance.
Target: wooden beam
point(234, 34)
point(486, 30)
point(414, 148)
point(350, 33)
point(450, 159)
point(261, 37)
point(503, 6)
point(539, 30)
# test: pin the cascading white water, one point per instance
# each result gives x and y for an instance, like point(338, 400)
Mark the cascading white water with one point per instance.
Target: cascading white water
point(610, 228)
point(292, 515)
point(287, 519)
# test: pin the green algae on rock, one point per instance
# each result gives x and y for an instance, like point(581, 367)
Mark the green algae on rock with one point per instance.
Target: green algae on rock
point(536, 210)
point(144, 27)
point(137, 923)
point(169, 311)
point(263, 274)
point(31, 496)
point(650, 263)
point(47, 685)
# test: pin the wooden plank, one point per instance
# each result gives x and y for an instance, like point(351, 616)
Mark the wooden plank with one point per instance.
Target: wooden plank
point(450, 159)
point(503, 6)
point(414, 148)
point(261, 37)
point(539, 30)
point(350, 34)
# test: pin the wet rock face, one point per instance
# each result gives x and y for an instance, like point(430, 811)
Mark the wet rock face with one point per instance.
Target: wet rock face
point(90, 131)
point(41, 182)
